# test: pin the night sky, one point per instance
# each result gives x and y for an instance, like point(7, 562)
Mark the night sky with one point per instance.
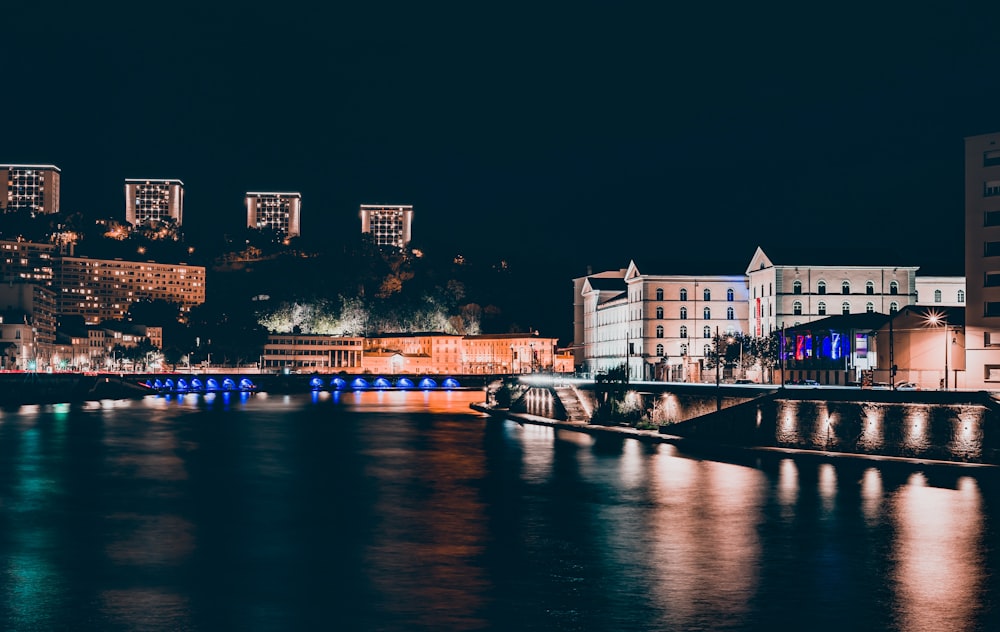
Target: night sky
point(569, 134)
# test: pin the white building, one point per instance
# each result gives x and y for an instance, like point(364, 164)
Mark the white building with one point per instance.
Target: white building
point(797, 287)
point(646, 321)
point(943, 291)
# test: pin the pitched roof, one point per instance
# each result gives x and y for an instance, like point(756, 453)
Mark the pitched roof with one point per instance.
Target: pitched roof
point(794, 255)
point(724, 264)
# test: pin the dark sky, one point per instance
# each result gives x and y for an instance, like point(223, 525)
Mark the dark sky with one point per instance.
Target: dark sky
point(580, 133)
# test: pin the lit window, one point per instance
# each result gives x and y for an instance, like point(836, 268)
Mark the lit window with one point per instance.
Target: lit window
point(706, 332)
point(869, 307)
point(684, 294)
point(730, 313)
point(937, 296)
point(684, 313)
point(707, 294)
point(961, 296)
point(729, 294)
point(707, 313)
point(684, 331)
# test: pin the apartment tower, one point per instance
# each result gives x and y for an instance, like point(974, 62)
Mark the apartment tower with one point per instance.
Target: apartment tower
point(147, 200)
point(982, 261)
point(389, 225)
point(33, 188)
point(277, 211)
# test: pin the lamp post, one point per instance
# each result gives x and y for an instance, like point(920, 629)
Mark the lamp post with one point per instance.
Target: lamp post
point(935, 319)
point(512, 359)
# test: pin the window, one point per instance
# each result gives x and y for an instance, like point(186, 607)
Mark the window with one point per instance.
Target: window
point(992, 249)
point(706, 332)
point(893, 307)
point(845, 287)
point(659, 331)
point(797, 287)
point(991, 158)
point(845, 308)
point(797, 308)
point(893, 287)
point(821, 308)
point(730, 313)
point(961, 296)
point(659, 293)
point(659, 350)
point(991, 188)
point(870, 288)
point(730, 331)
point(707, 313)
point(684, 350)
point(684, 313)
point(659, 312)
point(707, 294)
point(729, 294)
point(707, 351)
point(684, 331)
point(992, 309)
point(684, 294)
point(992, 279)
point(821, 287)
point(869, 307)
point(937, 296)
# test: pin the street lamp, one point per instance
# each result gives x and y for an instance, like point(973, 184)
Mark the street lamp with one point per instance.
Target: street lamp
point(512, 359)
point(936, 319)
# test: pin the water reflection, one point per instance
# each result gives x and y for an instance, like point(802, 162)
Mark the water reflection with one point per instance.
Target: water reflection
point(939, 573)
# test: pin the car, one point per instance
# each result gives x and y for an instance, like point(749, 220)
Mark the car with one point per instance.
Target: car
point(743, 381)
point(907, 386)
point(881, 386)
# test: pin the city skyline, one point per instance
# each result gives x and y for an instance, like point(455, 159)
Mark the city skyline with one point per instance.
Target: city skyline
point(582, 135)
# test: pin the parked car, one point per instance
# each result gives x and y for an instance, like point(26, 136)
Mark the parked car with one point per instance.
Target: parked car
point(907, 386)
point(743, 381)
point(881, 386)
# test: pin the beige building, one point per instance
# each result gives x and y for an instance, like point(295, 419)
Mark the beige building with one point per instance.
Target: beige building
point(278, 211)
point(33, 188)
point(982, 260)
point(389, 225)
point(147, 200)
point(420, 353)
point(102, 289)
point(797, 287)
point(658, 325)
point(927, 347)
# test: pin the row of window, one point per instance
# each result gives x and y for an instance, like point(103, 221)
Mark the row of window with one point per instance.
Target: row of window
point(706, 313)
point(845, 308)
point(845, 287)
point(706, 294)
point(706, 331)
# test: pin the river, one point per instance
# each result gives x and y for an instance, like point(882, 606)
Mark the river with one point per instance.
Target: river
point(408, 511)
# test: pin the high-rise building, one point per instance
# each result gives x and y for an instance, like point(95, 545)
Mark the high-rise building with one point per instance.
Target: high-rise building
point(389, 225)
point(982, 261)
point(277, 211)
point(147, 200)
point(101, 289)
point(30, 187)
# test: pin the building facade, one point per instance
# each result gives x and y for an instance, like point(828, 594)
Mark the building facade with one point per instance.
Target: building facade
point(982, 260)
point(33, 188)
point(27, 261)
point(102, 289)
point(943, 291)
point(279, 212)
point(388, 225)
point(659, 326)
point(787, 291)
point(147, 200)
